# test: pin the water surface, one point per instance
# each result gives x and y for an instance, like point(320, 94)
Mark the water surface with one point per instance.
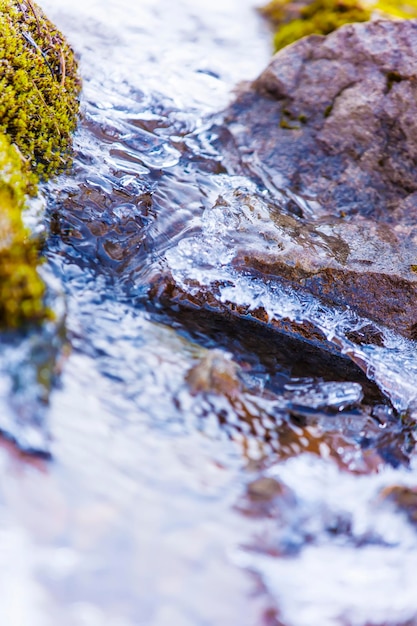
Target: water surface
point(205, 470)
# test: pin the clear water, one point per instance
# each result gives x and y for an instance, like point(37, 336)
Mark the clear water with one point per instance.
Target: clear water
point(204, 469)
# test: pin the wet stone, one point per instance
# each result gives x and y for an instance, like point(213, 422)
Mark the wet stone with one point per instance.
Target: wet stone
point(267, 497)
point(215, 373)
point(405, 498)
point(330, 137)
point(265, 489)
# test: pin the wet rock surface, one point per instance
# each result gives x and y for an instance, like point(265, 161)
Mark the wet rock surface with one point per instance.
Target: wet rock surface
point(405, 498)
point(328, 129)
point(349, 98)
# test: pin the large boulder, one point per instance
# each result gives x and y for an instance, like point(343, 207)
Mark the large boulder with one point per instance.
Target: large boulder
point(330, 130)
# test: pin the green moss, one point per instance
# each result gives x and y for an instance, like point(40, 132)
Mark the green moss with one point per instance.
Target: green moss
point(39, 87)
point(294, 20)
point(396, 9)
point(39, 91)
point(21, 289)
point(292, 122)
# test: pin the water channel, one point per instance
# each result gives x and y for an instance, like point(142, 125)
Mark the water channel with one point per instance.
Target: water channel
point(192, 467)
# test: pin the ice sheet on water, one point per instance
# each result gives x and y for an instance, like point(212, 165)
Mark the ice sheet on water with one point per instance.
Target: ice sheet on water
point(204, 260)
point(394, 369)
point(322, 395)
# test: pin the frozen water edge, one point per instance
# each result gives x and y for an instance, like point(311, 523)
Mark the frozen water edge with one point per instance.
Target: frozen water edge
point(205, 260)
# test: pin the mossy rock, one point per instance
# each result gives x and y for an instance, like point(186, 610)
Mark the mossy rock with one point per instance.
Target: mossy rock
point(294, 20)
point(21, 288)
point(39, 87)
point(39, 90)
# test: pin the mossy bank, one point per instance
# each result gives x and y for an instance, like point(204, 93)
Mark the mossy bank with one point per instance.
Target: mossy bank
point(293, 19)
point(39, 90)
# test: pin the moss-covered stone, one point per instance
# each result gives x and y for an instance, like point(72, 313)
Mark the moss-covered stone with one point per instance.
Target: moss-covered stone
point(39, 90)
point(39, 87)
point(21, 288)
point(294, 20)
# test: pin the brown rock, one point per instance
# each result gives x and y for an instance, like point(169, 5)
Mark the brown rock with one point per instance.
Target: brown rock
point(330, 130)
point(405, 498)
point(265, 489)
point(215, 373)
point(334, 118)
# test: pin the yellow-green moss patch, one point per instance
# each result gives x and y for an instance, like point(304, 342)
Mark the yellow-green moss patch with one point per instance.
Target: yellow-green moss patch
point(39, 90)
point(21, 289)
point(294, 20)
point(39, 87)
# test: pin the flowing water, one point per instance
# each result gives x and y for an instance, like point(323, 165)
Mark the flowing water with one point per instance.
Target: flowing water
point(194, 467)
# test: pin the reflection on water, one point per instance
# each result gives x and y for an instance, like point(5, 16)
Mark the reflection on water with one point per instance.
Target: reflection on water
point(207, 469)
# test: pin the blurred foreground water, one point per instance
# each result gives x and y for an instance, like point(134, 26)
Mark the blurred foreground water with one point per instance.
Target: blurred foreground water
point(205, 469)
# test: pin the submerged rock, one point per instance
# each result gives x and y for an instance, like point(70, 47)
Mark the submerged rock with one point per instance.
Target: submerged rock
point(405, 498)
point(329, 130)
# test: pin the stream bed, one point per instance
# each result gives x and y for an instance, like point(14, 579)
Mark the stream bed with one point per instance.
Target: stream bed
point(194, 466)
